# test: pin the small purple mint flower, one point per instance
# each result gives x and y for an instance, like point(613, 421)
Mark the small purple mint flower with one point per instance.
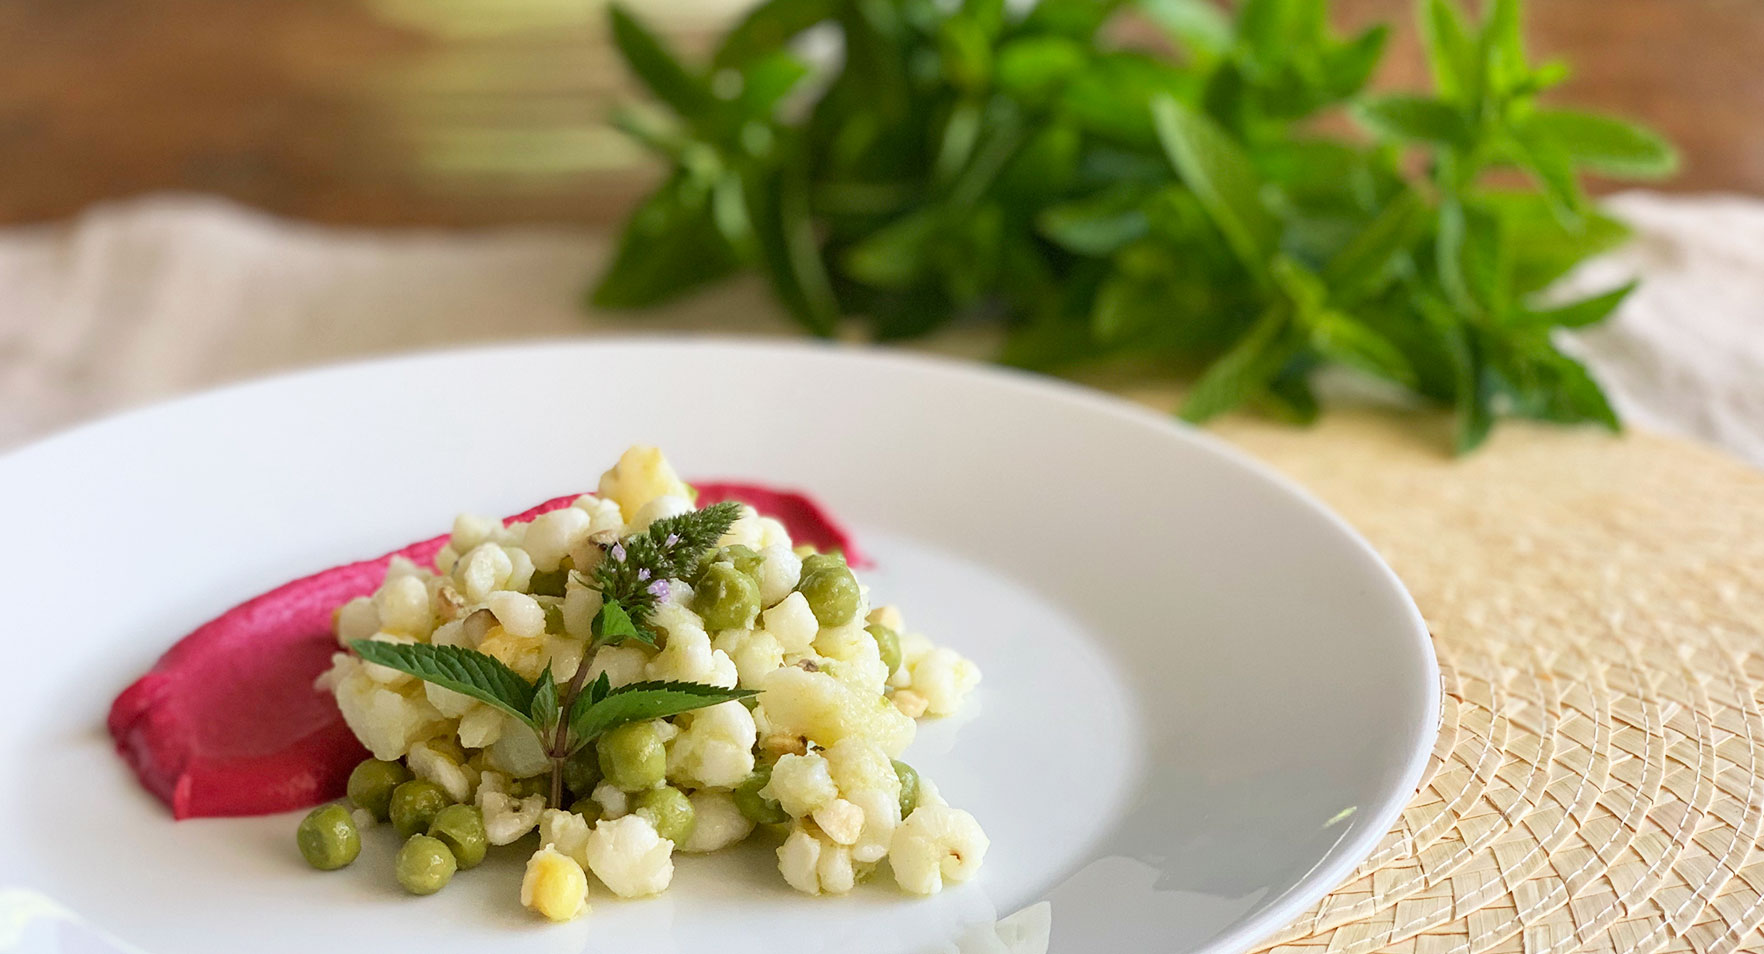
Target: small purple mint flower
point(672, 540)
point(659, 589)
point(618, 552)
point(643, 574)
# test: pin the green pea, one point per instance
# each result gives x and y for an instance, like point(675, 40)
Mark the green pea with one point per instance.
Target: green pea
point(832, 593)
point(909, 787)
point(821, 561)
point(887, 643)
point(632, 757)
point(726, 598)
point(742, 557)
point(415, 804)
point(581, 772)
point(759, 809)
point(372, 782)
point(549, 583)
point(461, 829)
point(671, 810)
point(588, 808)
point(327, 837)
point(424, 865)
point(745, 558)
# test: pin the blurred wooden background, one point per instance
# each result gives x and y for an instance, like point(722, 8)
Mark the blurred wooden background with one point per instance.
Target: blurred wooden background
point(465, 112)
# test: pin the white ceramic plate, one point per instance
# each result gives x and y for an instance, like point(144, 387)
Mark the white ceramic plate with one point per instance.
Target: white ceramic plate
point(1204, 699)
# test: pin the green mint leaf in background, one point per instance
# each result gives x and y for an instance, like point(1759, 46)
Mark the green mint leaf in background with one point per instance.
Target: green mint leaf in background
point(1604, 144)
point(657, 66)
point(1198, 25)
point(789, 255)
point(1340, 337)
point(767, 28)
point(1547, 162)
point(1578, 314)
point(1244, 370)
point(465, 671)
point(1221, 175)
point(1363, 266)
point(642, 701)
point(898, 255)
point(1420, 118)
point(1451, 52)
point(670, 245)
point(1100, 224)
point(1349, 67)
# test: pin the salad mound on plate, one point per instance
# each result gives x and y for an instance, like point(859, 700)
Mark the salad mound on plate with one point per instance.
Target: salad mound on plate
point(630, 676)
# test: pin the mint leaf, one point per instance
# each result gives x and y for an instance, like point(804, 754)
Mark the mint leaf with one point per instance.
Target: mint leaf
point(1420, 118)
point(1362, 267)
point(1451, 53)
point(1200, 26)
point(767, 28)
point(1221, 175)
point(1338, 336)
point(640, 702)
point(542, 711)
point(897, 255)
point(658, 68)
point(612, 625)
point(671, 245)
point(1541, 156)
point(1578, 314)
point(1605, 144)
point(1349, 67)
point(1099, 224)
point(1244, 370)
point(1503, 45)
point(466, 671)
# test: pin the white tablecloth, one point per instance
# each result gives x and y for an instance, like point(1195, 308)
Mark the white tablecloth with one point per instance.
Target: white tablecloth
point(162, 295)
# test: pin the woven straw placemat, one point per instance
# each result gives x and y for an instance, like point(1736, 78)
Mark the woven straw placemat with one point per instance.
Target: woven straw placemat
point(1598, 609)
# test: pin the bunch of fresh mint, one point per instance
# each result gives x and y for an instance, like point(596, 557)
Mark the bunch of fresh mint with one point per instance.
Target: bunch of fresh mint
point(1184, 202)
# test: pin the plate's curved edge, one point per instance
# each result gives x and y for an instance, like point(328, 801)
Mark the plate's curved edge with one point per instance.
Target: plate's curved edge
point(1329, 872)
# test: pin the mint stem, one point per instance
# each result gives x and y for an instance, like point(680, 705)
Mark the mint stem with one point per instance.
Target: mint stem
point(560, 742)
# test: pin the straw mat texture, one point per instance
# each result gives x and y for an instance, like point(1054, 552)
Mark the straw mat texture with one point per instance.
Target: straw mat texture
point(1598, 609)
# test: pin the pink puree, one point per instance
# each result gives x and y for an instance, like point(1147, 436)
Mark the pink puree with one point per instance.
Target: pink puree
point(227, 722)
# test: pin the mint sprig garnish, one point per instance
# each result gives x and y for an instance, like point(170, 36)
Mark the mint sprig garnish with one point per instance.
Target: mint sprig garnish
point(593, 712)
point(632, 579)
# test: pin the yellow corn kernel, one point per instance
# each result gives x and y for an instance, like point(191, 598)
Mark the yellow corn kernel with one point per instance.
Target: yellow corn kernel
point(555, 885)
point(641, 475)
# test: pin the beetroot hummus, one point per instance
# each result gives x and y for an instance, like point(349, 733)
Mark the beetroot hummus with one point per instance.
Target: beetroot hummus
point(228, 721)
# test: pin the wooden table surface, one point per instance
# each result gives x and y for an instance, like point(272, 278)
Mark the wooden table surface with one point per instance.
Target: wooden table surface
point(482, 111)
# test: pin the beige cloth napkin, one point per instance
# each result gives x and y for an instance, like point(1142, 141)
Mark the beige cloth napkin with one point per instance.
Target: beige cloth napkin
point(154, 297)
